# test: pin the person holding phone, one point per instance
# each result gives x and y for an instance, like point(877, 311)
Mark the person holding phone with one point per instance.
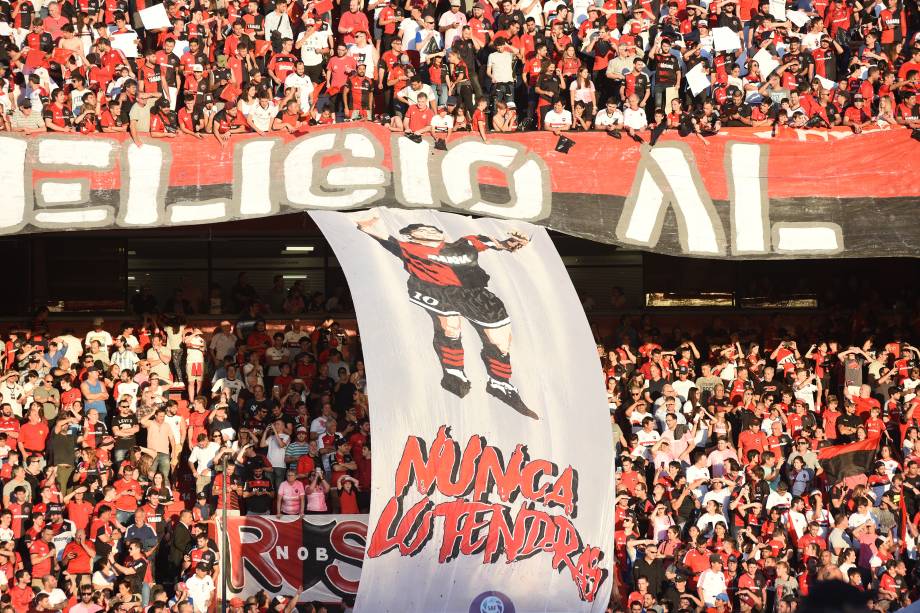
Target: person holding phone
point(316, 493)
point(291, 495)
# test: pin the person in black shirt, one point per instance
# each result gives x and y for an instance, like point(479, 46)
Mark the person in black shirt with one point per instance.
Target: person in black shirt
point(667, 71)
point(806, 60)
point(706, 122)
point(676, 591)
point(135, 567)
point(125, 428)
point(219, 420)
point(508, 16)
point(258, 493)
point(847, 424)
point(344, 392)
point(731, 109)
point(323, 384)
point(912, 488)
point(64, 448)
point(729, 19)
point(651, 567)
point(768, 385)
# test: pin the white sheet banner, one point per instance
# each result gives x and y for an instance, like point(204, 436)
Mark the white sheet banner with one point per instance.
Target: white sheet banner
point(493, 459)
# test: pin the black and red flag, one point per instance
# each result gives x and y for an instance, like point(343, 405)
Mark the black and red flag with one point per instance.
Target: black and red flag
point(842, 461)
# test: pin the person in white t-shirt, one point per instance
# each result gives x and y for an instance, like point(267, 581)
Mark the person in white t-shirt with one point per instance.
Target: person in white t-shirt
point(713, 516)
point(223, 342)
point(315, 44)
point(683, 384)
point(804, 388)
point(698, 476)
point(128, 388)
point(302, 82)
point(648, 435)
point(557, 119)
point(634, 118)
point(442, 124)
point(72, 346)
point(262, 114)
point(409, 27)
point(410, 93)
point(229, 385)
point(364, 52)
point(711, 582)
point(200, 587)
point(98, 334)
point(276, 439)
point(201, 461)
point(610, 118)
point(194, 360)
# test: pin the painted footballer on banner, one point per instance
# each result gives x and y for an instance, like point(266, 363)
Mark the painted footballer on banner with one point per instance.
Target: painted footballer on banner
point(446, 279)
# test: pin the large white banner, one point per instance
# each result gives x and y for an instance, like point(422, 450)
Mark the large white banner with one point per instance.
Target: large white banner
point(493, 459)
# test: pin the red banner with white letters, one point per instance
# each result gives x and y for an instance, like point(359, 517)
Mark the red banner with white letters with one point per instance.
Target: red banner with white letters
point(742, 193)
point(316, 556)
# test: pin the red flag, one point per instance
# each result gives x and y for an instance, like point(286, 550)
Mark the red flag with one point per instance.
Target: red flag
point(61, 56)
point(36, 58)
point(262, 47)
point(842, 461)
point(230, 92)
point(316, 93)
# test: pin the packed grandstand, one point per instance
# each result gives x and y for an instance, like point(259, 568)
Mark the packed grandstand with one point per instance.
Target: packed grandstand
point(213, 69)
point(742, 473)
point(752, 463)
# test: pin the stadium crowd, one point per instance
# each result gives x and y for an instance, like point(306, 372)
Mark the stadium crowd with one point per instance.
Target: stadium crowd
point(216, 68)
point(118, 444)
point(723, 503)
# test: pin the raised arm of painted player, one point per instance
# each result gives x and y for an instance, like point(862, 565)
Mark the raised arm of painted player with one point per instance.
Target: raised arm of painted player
point(372, 226)
point(516, 240)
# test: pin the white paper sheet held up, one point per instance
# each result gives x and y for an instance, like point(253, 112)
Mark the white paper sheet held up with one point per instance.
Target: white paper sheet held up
point(180, 48)
point(778, 9)
point(725, 39)
point(766, 62)
point(155, 17)
point(797, 17)
point(126, 43)
point(697, 79)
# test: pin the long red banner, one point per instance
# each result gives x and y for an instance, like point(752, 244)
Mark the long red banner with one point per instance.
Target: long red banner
point(317, 556)
point(742, 193)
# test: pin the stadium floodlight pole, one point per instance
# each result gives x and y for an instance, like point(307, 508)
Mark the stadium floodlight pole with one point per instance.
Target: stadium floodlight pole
point(223, 537)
